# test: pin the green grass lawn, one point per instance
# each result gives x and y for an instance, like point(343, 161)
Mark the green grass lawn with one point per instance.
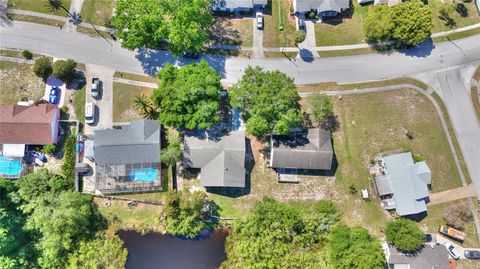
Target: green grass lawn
point(273, 36)
point(471, 16)
point(349, 31)
point(475, 93)
point(79, 103)
point(98, 12)
point(123, 98)
point(18, 82)
point(37, 6)
point(435, 219)
point(136, 77)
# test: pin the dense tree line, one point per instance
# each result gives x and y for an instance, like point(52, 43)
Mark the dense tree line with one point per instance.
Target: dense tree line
point(277, 235)
point(43, 222)
point(179, 25)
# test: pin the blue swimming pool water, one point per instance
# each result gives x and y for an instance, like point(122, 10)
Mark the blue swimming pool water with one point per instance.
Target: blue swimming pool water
point(144, 174)
point(9, 167)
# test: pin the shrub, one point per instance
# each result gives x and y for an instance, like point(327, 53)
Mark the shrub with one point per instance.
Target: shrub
point(404, 234)
point(49, 149)
point(68, 166)
point(42, 67)
point(27, 54)
point(300, 36)
point(418, 158)
point(320, 106)
point(64, 70)
point(457, 215)
point(311, 15)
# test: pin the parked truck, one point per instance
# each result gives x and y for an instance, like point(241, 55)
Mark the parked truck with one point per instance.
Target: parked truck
point(452, 233)
point(95, 87)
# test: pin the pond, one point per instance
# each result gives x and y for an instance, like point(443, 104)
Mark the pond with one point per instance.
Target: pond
point(154, 250)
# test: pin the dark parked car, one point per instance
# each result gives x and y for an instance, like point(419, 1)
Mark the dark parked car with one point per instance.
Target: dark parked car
point(190, 54)
point(428, 238)
point(472, 254)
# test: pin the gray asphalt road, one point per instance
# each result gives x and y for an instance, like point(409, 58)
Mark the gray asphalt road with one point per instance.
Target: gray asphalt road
point(456, 97)
point(82, 48)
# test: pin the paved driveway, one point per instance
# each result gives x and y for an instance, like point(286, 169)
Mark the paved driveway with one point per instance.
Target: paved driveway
point(257, 39)
point(104, 104)
point(456, 96)
point(307, 47)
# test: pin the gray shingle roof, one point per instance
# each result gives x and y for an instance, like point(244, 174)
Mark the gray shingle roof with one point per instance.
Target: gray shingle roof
point(233, 4)
point(435, 256)
point(408, 183)
point(321, 5)
point(138, 142)
point(308, 149)
point(221, 157)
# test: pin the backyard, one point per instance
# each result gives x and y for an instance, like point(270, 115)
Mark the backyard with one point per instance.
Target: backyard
point(232, 32)
point(18, 82)
point(37, 6)
point(123, 99)
point(98, 12)
point(276, 14)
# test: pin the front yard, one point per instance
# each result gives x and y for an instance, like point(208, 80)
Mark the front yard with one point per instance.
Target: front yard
point(344, 32)
point(227, 31)
point(123, 100)
point(462, 17)
point(98, 12)
point(276, 14)
point(37, 6)
point(18, 82)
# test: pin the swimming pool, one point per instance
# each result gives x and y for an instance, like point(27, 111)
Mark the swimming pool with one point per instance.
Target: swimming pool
point(10, 167)
point(143, 174)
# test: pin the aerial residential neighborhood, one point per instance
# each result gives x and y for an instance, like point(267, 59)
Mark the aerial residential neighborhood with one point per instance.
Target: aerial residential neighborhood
point(332, 134)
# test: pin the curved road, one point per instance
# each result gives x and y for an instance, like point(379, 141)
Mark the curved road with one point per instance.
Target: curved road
point(85, 49)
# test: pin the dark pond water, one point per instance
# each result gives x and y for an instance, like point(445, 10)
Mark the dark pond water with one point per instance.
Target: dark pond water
point(158, 251)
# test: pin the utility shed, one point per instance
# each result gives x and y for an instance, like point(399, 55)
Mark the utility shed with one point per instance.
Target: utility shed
point(309, 149)
point(219, 156)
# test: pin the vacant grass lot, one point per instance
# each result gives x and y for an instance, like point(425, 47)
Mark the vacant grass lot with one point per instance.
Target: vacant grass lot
point(238, 32)
point(435, 219)
point(98, 12)
point(18, 82)
point(469, 17)
point(37, 6)
point(276, 13)
point(345, 32)
point(123, 99)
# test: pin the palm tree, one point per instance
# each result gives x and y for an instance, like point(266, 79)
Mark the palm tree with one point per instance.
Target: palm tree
point(57, 5)
point(145, 107)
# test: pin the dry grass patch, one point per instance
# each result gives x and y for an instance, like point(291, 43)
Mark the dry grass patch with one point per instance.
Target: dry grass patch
point(123, 100)
point(227, 31)
point(18, 82)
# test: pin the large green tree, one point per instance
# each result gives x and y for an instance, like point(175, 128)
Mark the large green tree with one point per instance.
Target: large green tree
point(276, 235)
point(268, 100)
point(64, 69)
point(180, 24)
point(355, 248)
point(413, 22)
point(42, 67)
point(409, 22)
point(105, 252)
point(184, 213)
point(378, 25)
point(189, 96)
point(404, 234)
point(320, 107)
point(62, 220)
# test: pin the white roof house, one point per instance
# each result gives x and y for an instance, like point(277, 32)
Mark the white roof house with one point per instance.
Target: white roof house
point(404, 185)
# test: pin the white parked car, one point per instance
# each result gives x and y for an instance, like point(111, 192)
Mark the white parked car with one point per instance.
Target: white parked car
point(452, 251)
point(259, 20)
point(90, 113)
